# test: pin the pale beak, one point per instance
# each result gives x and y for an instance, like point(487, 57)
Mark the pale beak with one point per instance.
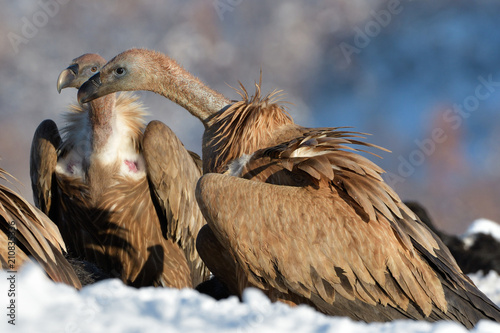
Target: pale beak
point(67, 77)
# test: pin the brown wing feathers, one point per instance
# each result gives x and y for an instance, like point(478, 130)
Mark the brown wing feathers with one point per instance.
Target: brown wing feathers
point(36, 236)
point(46, 142)
point(173, 171)
point(333, 256)
point(324, 154)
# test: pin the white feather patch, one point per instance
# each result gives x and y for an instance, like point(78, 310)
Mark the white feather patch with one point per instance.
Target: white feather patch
point(119, 148)
point(237, 165)
point(71, 165)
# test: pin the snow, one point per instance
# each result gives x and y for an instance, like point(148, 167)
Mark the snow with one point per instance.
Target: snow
point(484, 226)
point(110, 306)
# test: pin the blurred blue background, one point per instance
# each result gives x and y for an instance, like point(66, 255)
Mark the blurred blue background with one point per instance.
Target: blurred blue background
point(422, 77)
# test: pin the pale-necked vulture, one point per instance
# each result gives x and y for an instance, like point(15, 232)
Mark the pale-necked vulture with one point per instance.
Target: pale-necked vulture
point(123, 197)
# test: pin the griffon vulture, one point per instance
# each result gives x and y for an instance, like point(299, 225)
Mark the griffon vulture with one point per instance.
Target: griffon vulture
point(122, 198)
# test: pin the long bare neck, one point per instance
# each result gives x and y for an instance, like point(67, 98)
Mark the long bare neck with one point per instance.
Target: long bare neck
point(101, 115)
point(175, 83)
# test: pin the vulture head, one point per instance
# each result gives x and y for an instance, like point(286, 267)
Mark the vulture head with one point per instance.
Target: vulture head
point(79, 71)
point(134, 69)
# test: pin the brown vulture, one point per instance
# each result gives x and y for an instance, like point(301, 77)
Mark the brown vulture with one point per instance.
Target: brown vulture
point(122, 197)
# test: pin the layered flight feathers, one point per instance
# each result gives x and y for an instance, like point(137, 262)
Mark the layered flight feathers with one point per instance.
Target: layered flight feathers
point(312, 243)
point(34, 234)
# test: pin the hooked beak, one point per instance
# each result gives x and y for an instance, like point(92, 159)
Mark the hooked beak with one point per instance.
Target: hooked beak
point(88, 91)
point(66, 77)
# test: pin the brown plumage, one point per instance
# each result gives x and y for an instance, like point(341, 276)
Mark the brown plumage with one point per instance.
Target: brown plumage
point(122, 199)
point(34, 235)
point(333, 235)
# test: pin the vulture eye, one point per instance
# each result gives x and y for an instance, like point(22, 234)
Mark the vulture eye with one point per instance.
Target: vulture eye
point(120, 71)
point(94, 69)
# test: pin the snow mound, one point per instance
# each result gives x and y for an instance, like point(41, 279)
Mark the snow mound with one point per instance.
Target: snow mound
point(110, 306)
point(484, 226)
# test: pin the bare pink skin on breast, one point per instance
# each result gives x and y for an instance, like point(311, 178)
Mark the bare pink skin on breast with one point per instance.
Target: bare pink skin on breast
point(132, 166)
point(70, 167)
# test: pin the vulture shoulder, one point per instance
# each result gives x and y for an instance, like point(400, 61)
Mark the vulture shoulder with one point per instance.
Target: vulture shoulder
point(173, 172)
point(43, 162)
